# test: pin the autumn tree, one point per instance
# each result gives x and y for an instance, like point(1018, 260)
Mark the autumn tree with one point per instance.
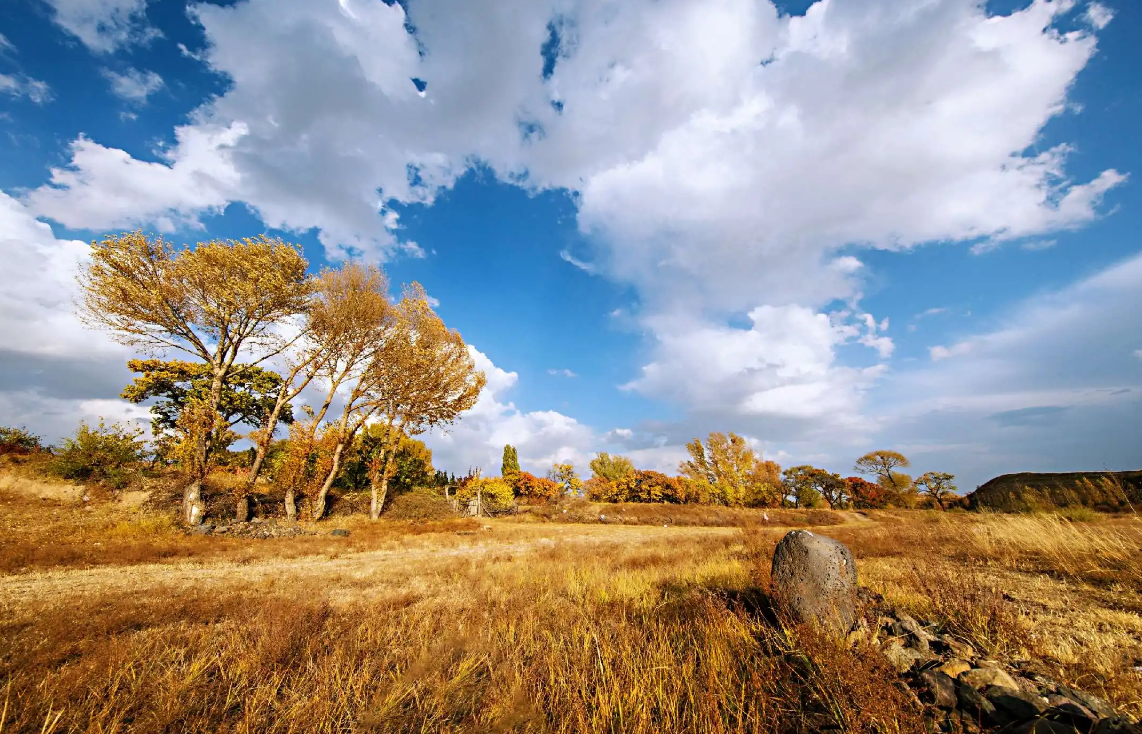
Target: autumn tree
point(423, 377)
point(536, 490)
point(883, 466)
point(801, 486)
point(937, 485)
point(866, 495)
point(509, 468)
point(330, 326)
point(611, 468)
point(831, 487)
point(564, 475)
point(212, 301)
point(730, 465)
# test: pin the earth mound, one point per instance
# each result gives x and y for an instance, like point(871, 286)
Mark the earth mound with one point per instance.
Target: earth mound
point(1032, 492)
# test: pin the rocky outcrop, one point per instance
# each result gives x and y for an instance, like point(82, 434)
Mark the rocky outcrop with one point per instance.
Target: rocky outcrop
point(963, 691)
point(815, 580)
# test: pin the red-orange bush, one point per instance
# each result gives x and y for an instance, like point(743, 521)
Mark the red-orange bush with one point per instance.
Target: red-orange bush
point(865, 494)
point(536, 490)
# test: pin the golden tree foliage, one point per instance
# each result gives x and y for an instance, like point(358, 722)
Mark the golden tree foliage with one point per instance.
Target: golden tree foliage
point(354, 320)
point(883, 466)
point(210, 301)
point(564, 475)
point(729, 465)
point(611, 468)
point(937, 485)
point(423, 377)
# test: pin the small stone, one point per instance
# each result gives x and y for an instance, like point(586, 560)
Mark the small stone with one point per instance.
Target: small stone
point(982, 677)
point(900, 657)
point(203, 529)
point(942, 688)
point(340, 533)
point(961, 650)
point(954, 667)
point(859, 632)
point(815, 579)
point(912, 627)
point(1013, 705)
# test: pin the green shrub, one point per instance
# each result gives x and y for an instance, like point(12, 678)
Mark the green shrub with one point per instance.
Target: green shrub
point(101, 454)
point(18, 441)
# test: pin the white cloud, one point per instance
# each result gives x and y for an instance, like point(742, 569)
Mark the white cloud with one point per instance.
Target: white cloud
point(725, 158)
point(1099, 16)
point(54, 367)
point(562, 373)
point(783, 365)
point(477, 440)
point(20, 85)
point(105, 188)
point(582, 265)
point(104, 25)
point(133, 85)
point(5, 45)
point(712, 182)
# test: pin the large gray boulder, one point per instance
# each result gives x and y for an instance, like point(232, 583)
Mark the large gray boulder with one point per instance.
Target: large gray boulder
point(815, 580)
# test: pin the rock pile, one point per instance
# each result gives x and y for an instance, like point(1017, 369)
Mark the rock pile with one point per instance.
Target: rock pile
point(962, 691)
point(815, 581)
point(258, 528)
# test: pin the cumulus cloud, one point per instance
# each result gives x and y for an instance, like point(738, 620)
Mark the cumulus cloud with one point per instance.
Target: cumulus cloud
point(54, 368)
point(721, 153)
point(104, 25)
point(541, 437)
point(725, 158)
point(133, 85)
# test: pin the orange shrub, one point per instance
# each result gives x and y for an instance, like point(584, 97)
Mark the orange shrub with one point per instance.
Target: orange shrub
point(535, 490)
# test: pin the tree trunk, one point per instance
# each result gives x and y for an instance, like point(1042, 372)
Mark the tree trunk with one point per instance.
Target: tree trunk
point(291, 505)
point(319, 503)
point(242, 510)
point(380, 492)
point(194, 511)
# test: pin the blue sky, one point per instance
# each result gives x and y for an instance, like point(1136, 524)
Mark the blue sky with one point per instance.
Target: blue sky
point(831, 227)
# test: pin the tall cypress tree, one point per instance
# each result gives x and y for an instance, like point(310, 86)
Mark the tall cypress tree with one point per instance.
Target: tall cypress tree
point(510, 468)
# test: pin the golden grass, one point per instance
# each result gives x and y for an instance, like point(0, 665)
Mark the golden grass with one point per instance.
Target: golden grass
point(540, 627)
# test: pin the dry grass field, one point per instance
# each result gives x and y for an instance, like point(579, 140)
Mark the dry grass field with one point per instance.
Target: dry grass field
point(113, 620)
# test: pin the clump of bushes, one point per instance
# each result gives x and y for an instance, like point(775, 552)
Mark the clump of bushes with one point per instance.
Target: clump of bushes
point(18, 441)
point(104, 453)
